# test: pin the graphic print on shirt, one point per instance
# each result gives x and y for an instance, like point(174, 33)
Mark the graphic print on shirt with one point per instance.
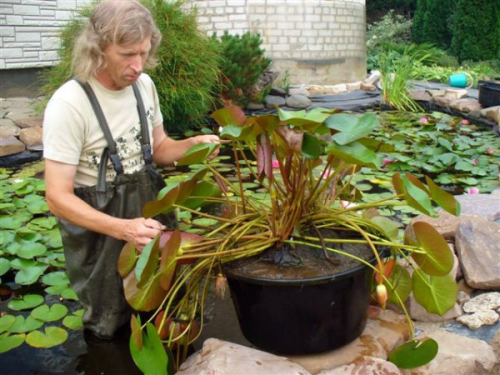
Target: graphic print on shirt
point(128, 147)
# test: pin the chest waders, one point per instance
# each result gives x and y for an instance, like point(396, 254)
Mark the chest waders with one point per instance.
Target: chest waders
point(91, 258)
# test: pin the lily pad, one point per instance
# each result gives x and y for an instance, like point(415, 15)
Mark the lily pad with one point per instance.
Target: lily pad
point(23, 325)
point(51, 337)
point(74, 321)
point(27, 302)
point(50, 314)
point(55, 278)
point(414, 353)
point(6, 322)
point(9, 342)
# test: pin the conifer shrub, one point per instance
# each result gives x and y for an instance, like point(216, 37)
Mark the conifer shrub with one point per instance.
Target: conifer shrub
point(187, 72)
point(242, 63)
point(476, 30)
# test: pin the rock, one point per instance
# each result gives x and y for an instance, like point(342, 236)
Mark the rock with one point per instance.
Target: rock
point(354, 86)
point(373, 78)
point(384, 331)
point(484, 205)
point(255, 106)
point(476, 243)
point(442, 101)
point(10, 146)
point(466, 105)
point(299, 91)
point(368, 87)
point(32, 137)
point(457, 355)
point(492, 114)
point(222, 357)
point(417, 312)
point(276, 91)
point(446, 224)
point(483, 302)
point(479, 319)
point(316, 89)
point(273, 101)
point(7, 131)
point(364, 366)
point(420, 95)
point(456, 93)
point(298, 101)
point(29, 122)
point(336, 89)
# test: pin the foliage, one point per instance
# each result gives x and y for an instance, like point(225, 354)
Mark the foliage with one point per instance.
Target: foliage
point(476, 30)
point(188, 64)
point(243, 62)
point(31, 254)
point(375, 8)
point(188, 69)
point(395, 75)
point(318, 154)
point(392, 29)
point(432, 22)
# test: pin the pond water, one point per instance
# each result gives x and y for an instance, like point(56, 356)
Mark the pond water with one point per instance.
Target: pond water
point(457, 155)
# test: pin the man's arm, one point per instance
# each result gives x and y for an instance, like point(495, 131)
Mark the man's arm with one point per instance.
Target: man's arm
point(63, 203)
point(167, 150)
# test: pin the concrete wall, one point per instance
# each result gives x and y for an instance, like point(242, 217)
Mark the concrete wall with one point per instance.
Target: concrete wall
point(313, 41)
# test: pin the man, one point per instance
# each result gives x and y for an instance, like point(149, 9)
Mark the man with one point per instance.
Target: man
point(119, 40)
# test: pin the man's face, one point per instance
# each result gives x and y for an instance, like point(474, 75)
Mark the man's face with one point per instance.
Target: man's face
point(123, 64)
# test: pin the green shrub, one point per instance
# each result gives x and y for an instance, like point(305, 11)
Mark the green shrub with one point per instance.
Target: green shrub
point(432, 22)
point(187, 71)
point(383, 35)
point(476, 30)
point(243, 62)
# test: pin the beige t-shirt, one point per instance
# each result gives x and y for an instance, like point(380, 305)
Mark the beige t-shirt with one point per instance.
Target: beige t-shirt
point(72, 134)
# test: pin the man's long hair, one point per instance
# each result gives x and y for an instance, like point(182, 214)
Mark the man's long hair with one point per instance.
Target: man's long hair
point(120, 22)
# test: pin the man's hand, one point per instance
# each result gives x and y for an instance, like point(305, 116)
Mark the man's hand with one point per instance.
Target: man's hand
point(210, 138)
point(141, 231)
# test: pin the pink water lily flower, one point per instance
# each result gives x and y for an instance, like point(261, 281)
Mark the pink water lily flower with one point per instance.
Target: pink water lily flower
point(472, 190)
point(490, 151)
point(275, 164)
point(475, 161)
point(423, 120)
point(464, 122)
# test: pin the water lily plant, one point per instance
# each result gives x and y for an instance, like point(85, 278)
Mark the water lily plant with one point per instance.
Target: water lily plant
point(302, 164)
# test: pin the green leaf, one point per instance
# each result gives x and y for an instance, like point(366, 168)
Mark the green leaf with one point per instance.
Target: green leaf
point(444, 199)
point(146, 298)
point(163, 205)
point(50, 314)
point(73, 321)
point(23, 325)
point(56, 278)
point(230, 115)
point(437, 294)
point(6, 322)
point(354, 153)
point(127, 259)
point(147, 262)
point(27, 302)
point(311, 147)
point(401, 281)
point(151, 358)
point(414, 353)
point(417, 198)
point(438, 258)
point(350, 129)
point(30, 275)
point(197, 154)
point(30, 250)
point(69, 293)
point(4, 266)
point(9, 342)
point(51, 337)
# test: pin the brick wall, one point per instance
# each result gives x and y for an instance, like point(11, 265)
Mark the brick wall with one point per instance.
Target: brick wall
point(313, 41)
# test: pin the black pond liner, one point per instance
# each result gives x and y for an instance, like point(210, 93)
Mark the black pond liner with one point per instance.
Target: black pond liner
point(302, 316)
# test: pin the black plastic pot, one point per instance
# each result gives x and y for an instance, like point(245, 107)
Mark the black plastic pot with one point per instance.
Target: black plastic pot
point(489, 93)
point(308, 316)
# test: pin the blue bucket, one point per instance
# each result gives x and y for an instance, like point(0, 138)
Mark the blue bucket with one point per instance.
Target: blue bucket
point(460, 80)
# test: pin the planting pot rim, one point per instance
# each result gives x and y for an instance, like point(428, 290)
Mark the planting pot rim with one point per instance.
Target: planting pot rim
point(301, 281)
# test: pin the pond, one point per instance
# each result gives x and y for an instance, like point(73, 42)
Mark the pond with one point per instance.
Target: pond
point(40, 323)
